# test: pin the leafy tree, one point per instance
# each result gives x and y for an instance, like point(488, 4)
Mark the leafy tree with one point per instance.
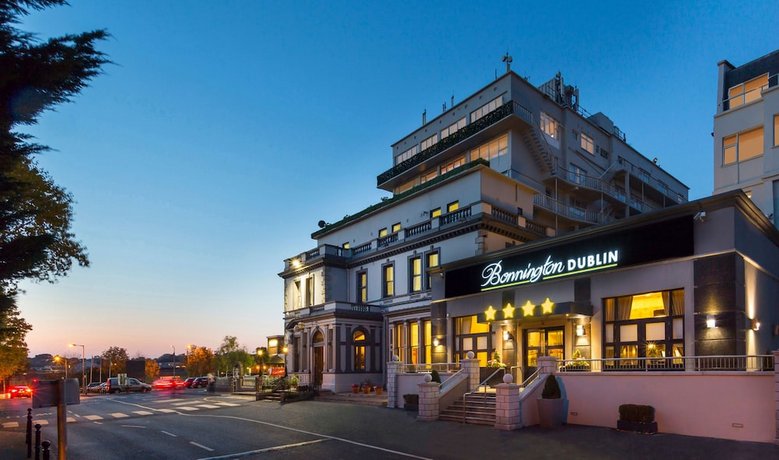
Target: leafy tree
point(200, 361)
point(116, 358)
point(13, 348)
point(152, 370)
point(230, 354)
point(36, 241)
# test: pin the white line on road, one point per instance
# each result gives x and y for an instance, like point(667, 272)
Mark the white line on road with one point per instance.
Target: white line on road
point(166, 411)
point(335, 438)
point(208, 406)
point(133, 426)
point(227, 404)
point(93, 417)
point(11, 425)
point(118, 415)
point(267, 449)
point(70, 420)
point(40, 422)
point(142, 412)
point(187, 408)
point(169, 434)
point(201, 446)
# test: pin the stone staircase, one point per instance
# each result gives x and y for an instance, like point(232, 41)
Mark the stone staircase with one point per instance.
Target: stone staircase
point(475, 408)
point(275, 395)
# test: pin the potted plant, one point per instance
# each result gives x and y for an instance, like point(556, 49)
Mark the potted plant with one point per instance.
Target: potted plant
point(355, 388)
point(434, 376)
point(379, 389)
point(550, 404)
point(638, 418)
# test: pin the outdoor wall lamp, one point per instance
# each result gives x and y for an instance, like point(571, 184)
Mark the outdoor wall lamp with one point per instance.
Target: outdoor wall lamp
point(755, 325)
point(580, 330)
point(436, 342)
point(711, 323)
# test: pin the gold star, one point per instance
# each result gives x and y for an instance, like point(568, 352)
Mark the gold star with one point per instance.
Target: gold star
point(547, 306)
point(527, 309)
point(508, 311)
point(489, 313)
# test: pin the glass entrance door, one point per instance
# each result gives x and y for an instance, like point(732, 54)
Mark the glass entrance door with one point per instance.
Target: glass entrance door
point(542, 342)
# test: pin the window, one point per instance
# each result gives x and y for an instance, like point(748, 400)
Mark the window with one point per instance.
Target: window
point(742, 146)
point(433, 261)
point(453, 128)
point(776, 130)
point(388, 275)
point(550, 126)
point(452, 164)
point(414, 342)
point(492, 149)
point(297, 295)
point(428, 177)
point(587, 143)
point(453, 206)
point(578, 175)
point(358, 341)
point(396, 227)
point(383, 232)
point(429, 142)
point(362, 287)
point(649, 325)
point(435, 212)
point(415, 269)
point(407, 154)
point(399, 342)
point(346, 245)
point(427, 326)
point(470, 335)
point(310, 291)
point(486, 108)
point(747, 92)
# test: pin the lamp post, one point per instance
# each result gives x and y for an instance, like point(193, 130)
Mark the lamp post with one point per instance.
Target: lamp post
point(186, 365)
point(174, 361)
point(83, 366)
point(284, 351)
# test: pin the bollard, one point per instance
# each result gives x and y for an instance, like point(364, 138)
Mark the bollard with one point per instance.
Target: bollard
point(46, 445)
point(28, 436)
point(37, 441)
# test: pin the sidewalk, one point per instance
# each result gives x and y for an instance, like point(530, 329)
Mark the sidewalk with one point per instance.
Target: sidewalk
point(12, 445)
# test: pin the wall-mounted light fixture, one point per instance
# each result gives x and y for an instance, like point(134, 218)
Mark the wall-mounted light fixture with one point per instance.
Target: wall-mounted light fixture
point(755, 325)
point(711, 323)
point(507, 337)
point(436, 342)
point(580, 330)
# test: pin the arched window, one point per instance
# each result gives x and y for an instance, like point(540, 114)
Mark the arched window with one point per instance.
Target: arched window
point(358, 342)
point(318, 337)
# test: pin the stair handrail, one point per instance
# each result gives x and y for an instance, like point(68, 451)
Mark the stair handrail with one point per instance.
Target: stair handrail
point(451, 382)
point(532, 378)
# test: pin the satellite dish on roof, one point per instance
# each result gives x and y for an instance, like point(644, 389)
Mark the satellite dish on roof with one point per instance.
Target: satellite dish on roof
point(322, 224)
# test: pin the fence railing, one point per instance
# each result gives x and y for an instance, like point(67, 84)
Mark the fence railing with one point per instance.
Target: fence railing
point(747, 363)
point(429, 367)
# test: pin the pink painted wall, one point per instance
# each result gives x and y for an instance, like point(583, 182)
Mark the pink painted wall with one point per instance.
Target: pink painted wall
point(736, 406)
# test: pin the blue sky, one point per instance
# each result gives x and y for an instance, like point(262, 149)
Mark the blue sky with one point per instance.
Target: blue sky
point(225, 130)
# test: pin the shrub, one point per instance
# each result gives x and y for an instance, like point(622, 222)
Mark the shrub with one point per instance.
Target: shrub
point(551, 388)
point(434, 377)
point(636, 413)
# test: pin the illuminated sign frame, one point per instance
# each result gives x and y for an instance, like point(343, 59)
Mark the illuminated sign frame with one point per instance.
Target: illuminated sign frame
point(667, 239)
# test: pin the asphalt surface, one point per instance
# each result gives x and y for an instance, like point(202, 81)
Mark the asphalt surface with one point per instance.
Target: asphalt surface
point(157, 426)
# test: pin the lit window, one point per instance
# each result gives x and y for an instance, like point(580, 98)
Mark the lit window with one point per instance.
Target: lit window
point(776, 130)
point(358, 340)
point(453, 206)
point(414, 342)
point(550, 126)
point(429, 142)
point(747, 92)
point(362, 287)
point(346, 245)
point(428, 177)
point(435, 213)
point(396, 227)
point(492, 149)
point(416, 274)
point(587, 143)
point(486, 108)
point(742, 146)
point(383, 232)
point(433, 261)
point(452, 164)
point(407, 154)
point(453, 128)
point(388, 273)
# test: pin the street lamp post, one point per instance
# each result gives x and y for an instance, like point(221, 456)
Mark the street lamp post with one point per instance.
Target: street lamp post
point(83, 366)
point(284, 350)
point(174, 361)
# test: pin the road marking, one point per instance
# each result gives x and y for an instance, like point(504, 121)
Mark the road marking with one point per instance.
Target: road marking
point(201, 446)
point(166, 411)
point(118, 415)
point(208, 406)
point(160, 401)
point(98, 423)
point(40, 422)
point(169, 434)
point(335, 438)
point(133, 426)
point(187, 408)
point(267, 449)
point(70, 419)
point(93, 417)
point(227, 404)
point(184, 403)
point(142, 412)
point(11, 425)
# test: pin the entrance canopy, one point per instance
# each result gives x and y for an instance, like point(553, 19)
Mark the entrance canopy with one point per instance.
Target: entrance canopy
point(546, 309)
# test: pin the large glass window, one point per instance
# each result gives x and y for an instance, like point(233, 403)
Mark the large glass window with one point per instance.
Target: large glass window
point(362, 287)
point(433, 261)
point(456, 163)
point(414, 342)
point(358, 342)
point(747, 92)
point(427, 325)
point(492, 149)
point(486, 108)
point(430, 141)
point(649, 325)
point(388, 275)
point(407, 154)
point(742, 146)
point(310, 291)
point(453, 128)
point(587, 143)
point(470, 335)
point(415, 269)
point(399, 342)
point(550, 126)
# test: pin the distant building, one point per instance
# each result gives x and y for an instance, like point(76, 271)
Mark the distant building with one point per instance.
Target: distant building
point(746, 131)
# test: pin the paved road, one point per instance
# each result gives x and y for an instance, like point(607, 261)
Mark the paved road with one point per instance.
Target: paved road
point(322, 430)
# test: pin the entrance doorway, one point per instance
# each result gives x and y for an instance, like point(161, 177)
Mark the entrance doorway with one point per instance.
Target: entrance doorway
point(319, 357)
point(548, 341)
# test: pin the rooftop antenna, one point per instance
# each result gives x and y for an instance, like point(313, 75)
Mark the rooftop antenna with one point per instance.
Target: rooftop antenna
point(508, 60)
point(452, 101)
point(424, 116)
point(444, 105)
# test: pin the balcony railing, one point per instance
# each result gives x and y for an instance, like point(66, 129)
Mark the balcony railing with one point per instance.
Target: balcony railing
point(331, 306)
point(749, 96)
point(572, 212)
point(385, 241)
point(748, 363)
point(482, 123)
point(460, 214)
point(657, 184)
point(418, 229)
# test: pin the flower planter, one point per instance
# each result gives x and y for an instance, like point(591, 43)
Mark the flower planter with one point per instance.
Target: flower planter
point(638, 427)
point(378, 391)
point(355, 389)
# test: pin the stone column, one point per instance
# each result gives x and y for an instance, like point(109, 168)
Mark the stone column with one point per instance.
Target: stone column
point(776, 393)
point(547, 365)
point(393, 369)
point(507, 415)
point(471, 367)
point(428, 400)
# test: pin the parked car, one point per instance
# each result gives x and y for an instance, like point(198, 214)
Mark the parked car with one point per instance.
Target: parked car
point(200, 382)
point(113, 386)
point(20, 391)
point(96, 387)
point(188, 382)
point(168, 383)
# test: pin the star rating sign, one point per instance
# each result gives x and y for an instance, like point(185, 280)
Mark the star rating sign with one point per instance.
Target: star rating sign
point(508, 311)
point(527, 309)
point(547, 306)
point(489, 313)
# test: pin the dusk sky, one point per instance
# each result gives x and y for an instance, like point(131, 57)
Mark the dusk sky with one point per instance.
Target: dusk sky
point(224, 131)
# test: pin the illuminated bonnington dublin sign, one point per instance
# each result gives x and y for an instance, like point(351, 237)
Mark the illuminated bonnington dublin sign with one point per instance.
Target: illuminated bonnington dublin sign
point(495, 276)
point(592, 253)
